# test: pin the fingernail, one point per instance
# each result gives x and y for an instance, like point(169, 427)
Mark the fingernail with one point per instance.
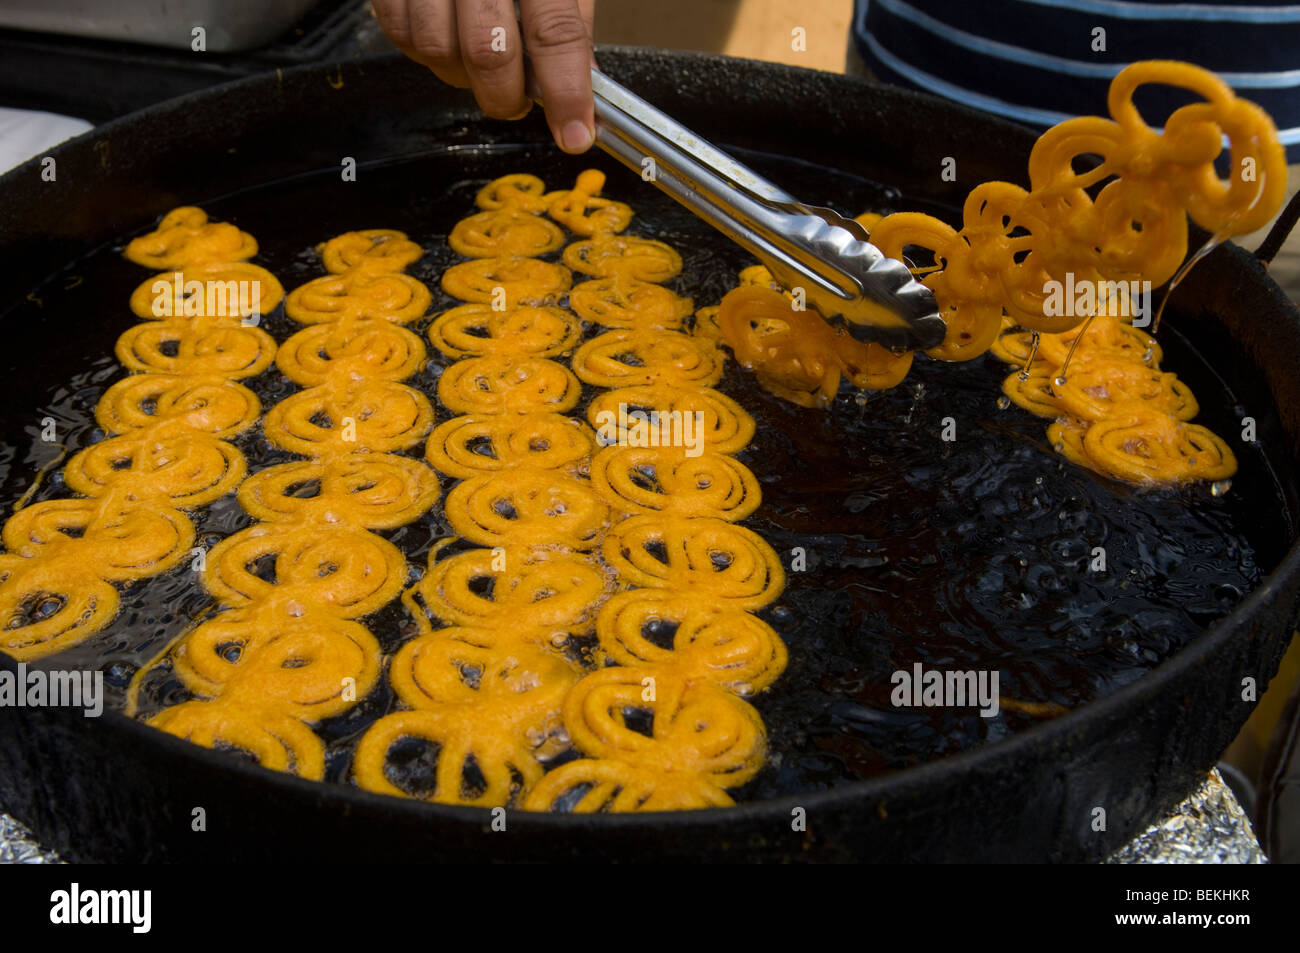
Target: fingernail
point(575, 136)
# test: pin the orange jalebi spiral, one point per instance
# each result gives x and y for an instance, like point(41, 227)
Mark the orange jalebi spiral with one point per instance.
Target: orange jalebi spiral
point(527, 507)
point(796, 354)
point(506, 231)
point(702, 739)
point(374, 251)
point(202, 289)
point(536, 594)
point(168, 424)
point(388, 296)
point(277, 740)
point(672, 480)
point(625, 416)
point(518, 190)
point(269, 657)
point(487, 443)
point(646, 357)
point(625, 302)
point(734, 649)
point(502, 709)
point(514, 280)
point(606, 255)
point(476, 330)
point(186, 237)
point(504, 384)
point(582, 211)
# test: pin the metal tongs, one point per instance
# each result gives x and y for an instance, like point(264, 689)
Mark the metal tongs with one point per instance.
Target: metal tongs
point(843, 276)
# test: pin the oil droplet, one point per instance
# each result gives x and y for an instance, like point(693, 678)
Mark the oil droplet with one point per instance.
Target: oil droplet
point(1059, 381)
point(1147, 355)
point(1004, 402)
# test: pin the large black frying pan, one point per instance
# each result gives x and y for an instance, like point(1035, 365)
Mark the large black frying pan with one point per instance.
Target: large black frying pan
point(115, 789)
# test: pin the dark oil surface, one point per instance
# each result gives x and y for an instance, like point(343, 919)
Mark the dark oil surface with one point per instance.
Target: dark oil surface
point(969, 554)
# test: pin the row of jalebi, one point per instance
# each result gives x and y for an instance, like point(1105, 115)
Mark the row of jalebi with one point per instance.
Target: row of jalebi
point(664, 727)
point(167, 451)
point(486, 689)
point(1016, 247)
point(288, 650)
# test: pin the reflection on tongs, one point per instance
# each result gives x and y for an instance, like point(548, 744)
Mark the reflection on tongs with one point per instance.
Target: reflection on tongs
point(843, 276)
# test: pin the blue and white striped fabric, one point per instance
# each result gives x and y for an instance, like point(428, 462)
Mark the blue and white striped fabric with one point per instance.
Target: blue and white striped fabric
point(1034, 60)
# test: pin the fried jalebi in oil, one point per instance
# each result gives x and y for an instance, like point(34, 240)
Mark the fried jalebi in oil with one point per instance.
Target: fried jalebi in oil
point(729, 647)
point(365, 294)
point(203, 289)
point(622, 302)
point(671, 480)
point(582, 211)
point(607, 255)
point(546, 591)
point(476, 330)
point(796, 354)
point(590, 786)
point(631, 358)
point(277, 740)
point(186, 237)
point(521, 507)
point(474, 444)
point(1101, 225)
point(370, 490)
point(503, 384)
point(506, 231)
point(511, 280)
point(624, 415)
point(373, 251)
point(702, 556)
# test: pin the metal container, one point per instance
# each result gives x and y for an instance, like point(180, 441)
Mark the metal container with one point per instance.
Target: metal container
point(227, 27)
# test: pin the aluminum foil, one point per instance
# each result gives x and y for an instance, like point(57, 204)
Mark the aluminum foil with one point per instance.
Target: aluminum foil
point(17, 846)
point(1208, 828)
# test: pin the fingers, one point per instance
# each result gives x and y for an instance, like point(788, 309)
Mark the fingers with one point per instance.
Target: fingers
point(587, 8)
point(425, 30)
point(477, 44)
point(559, 44)
point(392, 18)
point(493, 55)
point(431, 26)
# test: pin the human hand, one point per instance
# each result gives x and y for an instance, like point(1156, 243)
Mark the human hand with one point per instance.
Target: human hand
point(479, 45)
